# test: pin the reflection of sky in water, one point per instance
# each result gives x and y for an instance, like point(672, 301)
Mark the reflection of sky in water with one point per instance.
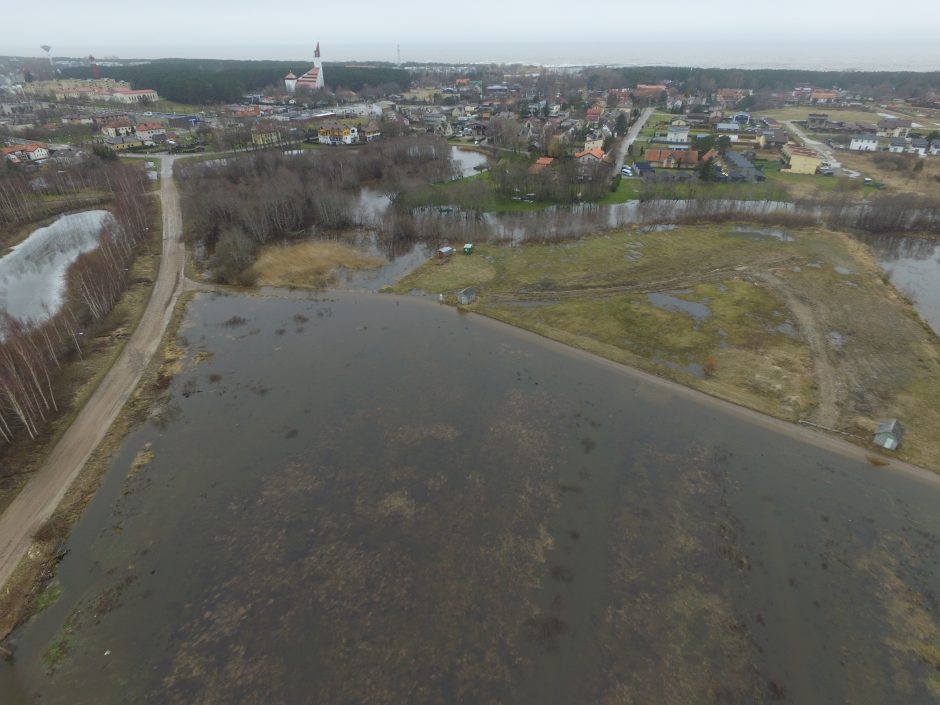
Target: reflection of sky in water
point(32, 276)
point(362, 491)
point(913, 265)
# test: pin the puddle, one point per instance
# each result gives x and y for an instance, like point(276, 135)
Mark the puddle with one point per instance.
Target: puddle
point(761, 233)
point(698, 311)
point(843, 270)
point(836, 340)
point(786, 328)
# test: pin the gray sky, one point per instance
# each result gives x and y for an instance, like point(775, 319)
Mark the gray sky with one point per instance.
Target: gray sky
point(249, 29)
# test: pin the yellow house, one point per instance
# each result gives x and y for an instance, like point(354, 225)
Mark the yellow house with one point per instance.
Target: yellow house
point(801, 160)
point(334, 132)
point(264, 139)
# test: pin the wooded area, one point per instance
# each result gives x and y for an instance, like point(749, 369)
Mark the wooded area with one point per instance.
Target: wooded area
point(235, 208)
point(32, 351)
point(206, 81)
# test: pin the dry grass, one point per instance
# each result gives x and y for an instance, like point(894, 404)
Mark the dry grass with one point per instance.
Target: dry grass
point(309, 264)
point(854, 352)
point(927, 183)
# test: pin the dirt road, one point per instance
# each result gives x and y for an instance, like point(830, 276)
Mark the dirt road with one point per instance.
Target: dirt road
point(39, 498)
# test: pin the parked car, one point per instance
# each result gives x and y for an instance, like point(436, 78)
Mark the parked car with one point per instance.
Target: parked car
point(627, 171)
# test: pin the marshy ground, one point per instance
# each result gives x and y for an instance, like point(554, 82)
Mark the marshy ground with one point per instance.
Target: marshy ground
point(796, 323)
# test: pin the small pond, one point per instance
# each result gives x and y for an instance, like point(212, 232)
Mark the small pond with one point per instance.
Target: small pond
point(32, 275)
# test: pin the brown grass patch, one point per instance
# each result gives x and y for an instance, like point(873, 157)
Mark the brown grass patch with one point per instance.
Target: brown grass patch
point(309, 264)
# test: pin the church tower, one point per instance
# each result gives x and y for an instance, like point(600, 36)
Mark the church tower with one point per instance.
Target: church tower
point(290, 82)
point(313, 79)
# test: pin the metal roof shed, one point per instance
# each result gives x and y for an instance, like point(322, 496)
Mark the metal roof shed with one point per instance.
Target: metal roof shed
point(888, 434)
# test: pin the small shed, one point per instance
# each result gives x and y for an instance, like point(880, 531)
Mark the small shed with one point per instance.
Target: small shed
point(445, 251)
point(468, 248)
point(888, 434)
point(465, 297)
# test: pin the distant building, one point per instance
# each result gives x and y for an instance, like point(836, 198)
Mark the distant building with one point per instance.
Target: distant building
point(864, 143)
point(25, 153)
point(897, 145)
point(677, 134)
point(893, 127)
point(312, 80)
point(540, 165)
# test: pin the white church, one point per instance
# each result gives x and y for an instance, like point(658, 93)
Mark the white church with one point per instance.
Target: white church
point(311, 80)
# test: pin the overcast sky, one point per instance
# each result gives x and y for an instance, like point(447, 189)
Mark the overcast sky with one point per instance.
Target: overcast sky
point(249, 29)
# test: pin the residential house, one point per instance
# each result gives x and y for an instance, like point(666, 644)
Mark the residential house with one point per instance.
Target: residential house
point(590, 156)
point(919, 146)
point(893, 127)
point(593, 115)
point(864, 143)
point(801, 160)
point(897, 145)
point(150, 132)
point(741, 169)
point(817, 121)
point(672, 158)
point(593, 142)
point(677, 134)
point(729, 97)
point(540, 165)
point(119, 144)
point(334, 132)
point(728, 126)
point(31, 153)
point(119, 127)
point(754, 140)
point(934, 148)
point(775, 137)
point(819, 96)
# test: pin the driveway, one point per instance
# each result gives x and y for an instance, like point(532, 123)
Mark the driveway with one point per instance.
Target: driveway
point(824, 149)
point(630, 137)
point(42, 494)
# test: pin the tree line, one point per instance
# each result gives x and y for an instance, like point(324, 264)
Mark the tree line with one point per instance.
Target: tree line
point(205, 81)
point(234, 208)
point(31, 352)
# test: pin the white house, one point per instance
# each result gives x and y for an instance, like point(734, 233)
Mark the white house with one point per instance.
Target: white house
point(150, 132)
point(677, 134)
point(25, 153)
point(864, 143)
point(918, 146)
point(897, 145)
point(934, 148)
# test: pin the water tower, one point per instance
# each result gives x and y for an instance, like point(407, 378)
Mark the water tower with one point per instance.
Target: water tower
point(46, 48)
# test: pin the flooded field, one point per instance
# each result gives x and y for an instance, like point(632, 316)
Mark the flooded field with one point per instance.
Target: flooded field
point(365, 499)
point(913, 265)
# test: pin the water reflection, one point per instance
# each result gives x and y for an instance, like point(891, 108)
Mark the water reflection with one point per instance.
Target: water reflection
point(32, 275)
point(913, 266)
point(373, 499)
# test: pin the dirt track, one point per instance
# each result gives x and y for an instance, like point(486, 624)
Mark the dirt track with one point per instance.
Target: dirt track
point(39, 498)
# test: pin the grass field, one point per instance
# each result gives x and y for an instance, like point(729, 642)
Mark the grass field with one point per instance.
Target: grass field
point(835, 114)
point(308, 264)
point(800, 328)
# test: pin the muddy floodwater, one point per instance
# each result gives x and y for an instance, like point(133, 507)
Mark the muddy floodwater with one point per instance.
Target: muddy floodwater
point(367, 499)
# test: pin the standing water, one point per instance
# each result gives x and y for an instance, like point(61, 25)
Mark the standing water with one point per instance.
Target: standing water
point(365, 499)
point(32, 275)
point(913, 266)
